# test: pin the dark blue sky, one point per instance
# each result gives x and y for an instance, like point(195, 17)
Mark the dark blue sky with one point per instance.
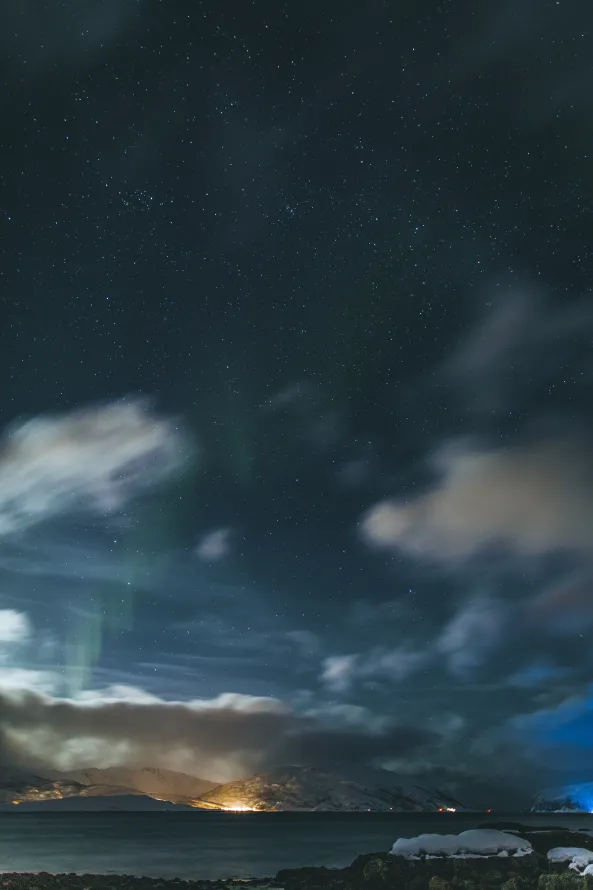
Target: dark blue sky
point(296, 362)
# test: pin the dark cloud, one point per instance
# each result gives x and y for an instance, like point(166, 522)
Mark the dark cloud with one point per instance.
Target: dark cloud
point(221, 738)
point(519, 348)
point(348, 749)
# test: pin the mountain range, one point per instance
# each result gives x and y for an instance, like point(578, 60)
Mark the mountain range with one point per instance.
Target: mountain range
point(576, 798)
point(290, 788)
point(308, 789)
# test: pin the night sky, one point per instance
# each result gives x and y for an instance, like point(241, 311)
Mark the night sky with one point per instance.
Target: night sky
point(296, 360)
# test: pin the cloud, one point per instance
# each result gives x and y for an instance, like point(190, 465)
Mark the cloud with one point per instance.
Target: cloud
point(214, 545)
point(14, 626)
point(312, 416)
point(395, 664)
point(465, 642)
point(338, 672)
point(94, 459)
point(341, 671)
point(306, 642)
point(18, 644)
point(371, 613)
point(496, 339)
point(220, 738)
point(471, 634)
point(564, 608)
point(531, 501)
point(536, 675)
point(519, 347)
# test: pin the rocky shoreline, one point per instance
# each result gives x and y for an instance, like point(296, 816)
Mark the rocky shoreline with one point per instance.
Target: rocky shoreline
point(372, 871)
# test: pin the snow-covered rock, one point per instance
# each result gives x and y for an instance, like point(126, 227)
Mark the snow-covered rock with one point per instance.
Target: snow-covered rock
point(476, 843)
point(578, 858)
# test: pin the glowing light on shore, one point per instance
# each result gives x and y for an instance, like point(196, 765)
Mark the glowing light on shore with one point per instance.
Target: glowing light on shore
point(239, 808)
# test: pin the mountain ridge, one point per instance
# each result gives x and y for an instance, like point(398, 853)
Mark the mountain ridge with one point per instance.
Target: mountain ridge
point(161, 784)
point(289, 788)
point(575, 798)
point(309, 789)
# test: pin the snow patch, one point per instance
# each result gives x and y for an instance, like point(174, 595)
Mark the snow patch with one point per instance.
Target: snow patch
point(473, 844)
point(578, 858)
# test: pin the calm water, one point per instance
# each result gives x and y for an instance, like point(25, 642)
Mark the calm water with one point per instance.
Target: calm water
point(216, 845)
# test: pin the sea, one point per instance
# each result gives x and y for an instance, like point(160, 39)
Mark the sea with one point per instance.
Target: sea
point(213, 846)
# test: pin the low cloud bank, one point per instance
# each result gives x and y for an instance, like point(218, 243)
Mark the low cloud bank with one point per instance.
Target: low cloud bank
point(219, 739)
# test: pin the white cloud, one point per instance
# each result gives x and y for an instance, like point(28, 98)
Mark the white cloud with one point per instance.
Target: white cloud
point(16, 640)
point(214, 545)
point(338, 672)
point(95, 459)
point(18, 682)
point(528, 500)
point(14, 626)
point(397, 664)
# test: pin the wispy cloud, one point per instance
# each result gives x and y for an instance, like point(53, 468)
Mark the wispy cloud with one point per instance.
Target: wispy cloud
point(338, 672)
point(471, 634)
point(214, 545)
point(312, 415)
point(94, 459)
point(307, 643)
point(518, 345)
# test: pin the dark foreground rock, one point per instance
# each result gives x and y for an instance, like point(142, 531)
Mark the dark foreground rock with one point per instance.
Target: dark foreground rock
point(367, 873)
point(45, 881)
point(381, 871)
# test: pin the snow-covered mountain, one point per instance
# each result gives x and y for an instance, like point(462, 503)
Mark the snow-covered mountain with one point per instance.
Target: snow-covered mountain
point(140, 788)
point(17, 785)
point(161, 784)
point(284, 788)
point(565, 799)
point(307, 789)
